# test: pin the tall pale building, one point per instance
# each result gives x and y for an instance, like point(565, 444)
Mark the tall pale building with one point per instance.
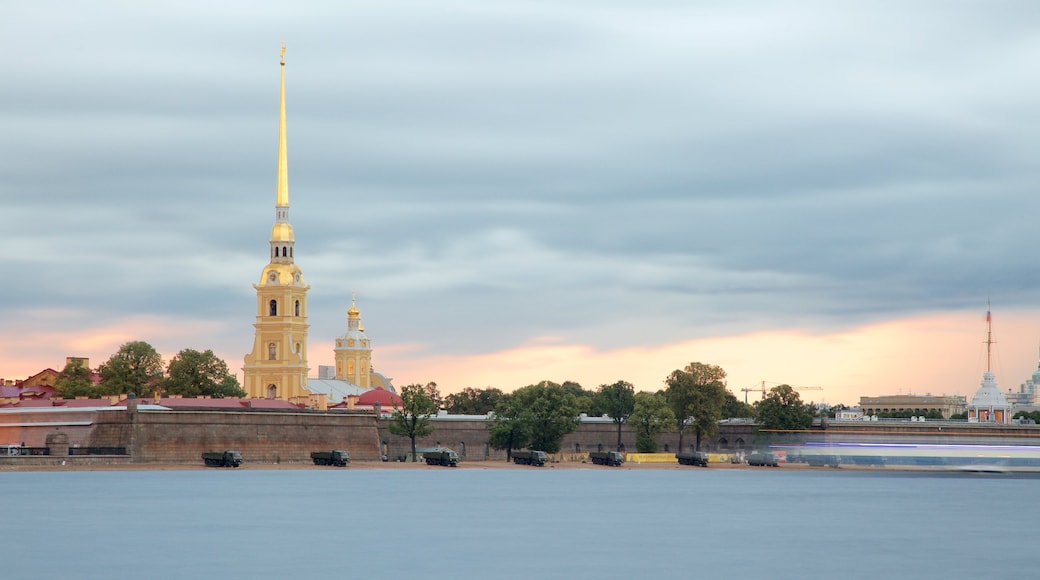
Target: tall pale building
point(277, 367)
point(353, 351)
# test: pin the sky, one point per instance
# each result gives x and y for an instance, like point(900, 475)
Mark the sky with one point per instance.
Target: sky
point(813, 193)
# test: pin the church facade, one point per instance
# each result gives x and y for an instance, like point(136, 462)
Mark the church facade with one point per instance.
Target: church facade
point(277, 366)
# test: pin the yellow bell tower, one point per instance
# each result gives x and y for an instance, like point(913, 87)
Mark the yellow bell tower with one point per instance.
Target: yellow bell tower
point(277, 367)
point(354, 351)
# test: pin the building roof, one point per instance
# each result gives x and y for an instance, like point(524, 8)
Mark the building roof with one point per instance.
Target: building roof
point(988, 395)
point(335, 389)
point(383, 397)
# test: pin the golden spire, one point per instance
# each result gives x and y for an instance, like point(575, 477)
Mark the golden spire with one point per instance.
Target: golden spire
point(283, 158)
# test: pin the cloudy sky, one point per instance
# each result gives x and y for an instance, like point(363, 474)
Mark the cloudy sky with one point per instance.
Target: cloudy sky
point(814, 193)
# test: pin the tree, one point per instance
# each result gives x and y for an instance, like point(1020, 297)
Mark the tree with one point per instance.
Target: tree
point(617, 401)
point(734, 408)
point(135, 368)
point(783, 409)
point(192, 373)
point(472, 401)
point(549, 413)
point(584, 400)
point(411, 416)
point(75, 381)
point(509, 427)
point(650, 415)
point(696, 395)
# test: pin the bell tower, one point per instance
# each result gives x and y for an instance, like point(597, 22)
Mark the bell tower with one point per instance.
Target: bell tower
point(354, 351)
point(277, 367)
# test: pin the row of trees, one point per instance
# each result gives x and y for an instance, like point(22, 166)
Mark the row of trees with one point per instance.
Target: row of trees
point(138, 368)
point(538, 416)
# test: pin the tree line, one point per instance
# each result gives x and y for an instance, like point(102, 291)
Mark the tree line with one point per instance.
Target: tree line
point(138, 368)
point(538, 416)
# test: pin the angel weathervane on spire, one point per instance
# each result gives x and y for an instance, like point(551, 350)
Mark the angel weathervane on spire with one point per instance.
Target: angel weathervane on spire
point(282, 54)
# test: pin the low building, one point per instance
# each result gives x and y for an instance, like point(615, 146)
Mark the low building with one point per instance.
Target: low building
point(947, 405)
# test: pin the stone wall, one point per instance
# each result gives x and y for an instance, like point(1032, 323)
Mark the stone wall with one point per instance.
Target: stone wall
point(30, 427)
point(468, 436)
point(264, 437)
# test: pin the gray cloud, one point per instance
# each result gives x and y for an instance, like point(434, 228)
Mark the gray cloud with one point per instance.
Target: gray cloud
point(492, 173)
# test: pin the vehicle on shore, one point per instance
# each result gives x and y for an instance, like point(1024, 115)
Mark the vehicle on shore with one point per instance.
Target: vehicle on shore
point(536, 458)
point(699, 458)
point(335, 457)
point(763, 459)
point(441, 456)
point(222, 458)
point(612, 458)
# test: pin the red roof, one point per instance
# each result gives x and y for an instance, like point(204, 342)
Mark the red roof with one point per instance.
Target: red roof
point(381, 396)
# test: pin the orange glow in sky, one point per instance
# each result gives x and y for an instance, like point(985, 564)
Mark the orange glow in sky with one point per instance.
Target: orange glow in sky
point(937, 353)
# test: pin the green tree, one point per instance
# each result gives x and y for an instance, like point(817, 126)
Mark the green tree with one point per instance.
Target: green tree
point(509, 427)
point(584, 400)
point(549, 411)
point(783, 409)
point(650, 415)
point(696, 395)
point(135, 368)
point(472, 401)
point(734, 408)
point(411, 416)
point(617, 401)
point(192, 373)
point(74, 381)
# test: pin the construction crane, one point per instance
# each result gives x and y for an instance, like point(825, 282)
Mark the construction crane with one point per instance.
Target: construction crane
point(762, 389)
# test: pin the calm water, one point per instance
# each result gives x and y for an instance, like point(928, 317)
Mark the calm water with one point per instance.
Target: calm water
point(523, 524)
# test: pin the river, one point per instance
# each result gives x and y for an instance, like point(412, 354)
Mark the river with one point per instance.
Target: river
point(525, 524)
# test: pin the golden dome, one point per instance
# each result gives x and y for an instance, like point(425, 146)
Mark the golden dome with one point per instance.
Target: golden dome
point(282, 232)
point(282, 275)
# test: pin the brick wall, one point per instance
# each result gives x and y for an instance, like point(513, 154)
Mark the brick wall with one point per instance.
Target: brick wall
point(469, 438)
point(266, 437)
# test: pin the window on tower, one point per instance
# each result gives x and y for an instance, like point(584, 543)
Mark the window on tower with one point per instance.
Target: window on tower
point(297, 308)
point(274, 308)
point(272, 352)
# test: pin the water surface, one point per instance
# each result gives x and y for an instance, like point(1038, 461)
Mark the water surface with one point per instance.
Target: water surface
point(515, 524)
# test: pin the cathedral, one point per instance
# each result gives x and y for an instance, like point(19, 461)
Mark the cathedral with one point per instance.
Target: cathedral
point(277, 366)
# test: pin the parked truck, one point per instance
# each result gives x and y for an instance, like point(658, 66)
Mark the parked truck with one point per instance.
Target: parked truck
point(334, 457)
point(614, 458)
point(441, 456)
point(537, 458)
point(693, 458)
point(222, 458)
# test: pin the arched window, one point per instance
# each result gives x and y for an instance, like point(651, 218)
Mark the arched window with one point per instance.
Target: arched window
point(297, 308)
point(273, 306)
point(350, 368)
point(284, 252)
point(276, 251)
point(272, 392)
point(290, 252)
point(272, 352)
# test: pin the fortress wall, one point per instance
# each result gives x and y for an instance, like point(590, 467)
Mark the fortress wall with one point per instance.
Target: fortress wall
point(471, 436)
point(266, 437)
point(31, 427)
